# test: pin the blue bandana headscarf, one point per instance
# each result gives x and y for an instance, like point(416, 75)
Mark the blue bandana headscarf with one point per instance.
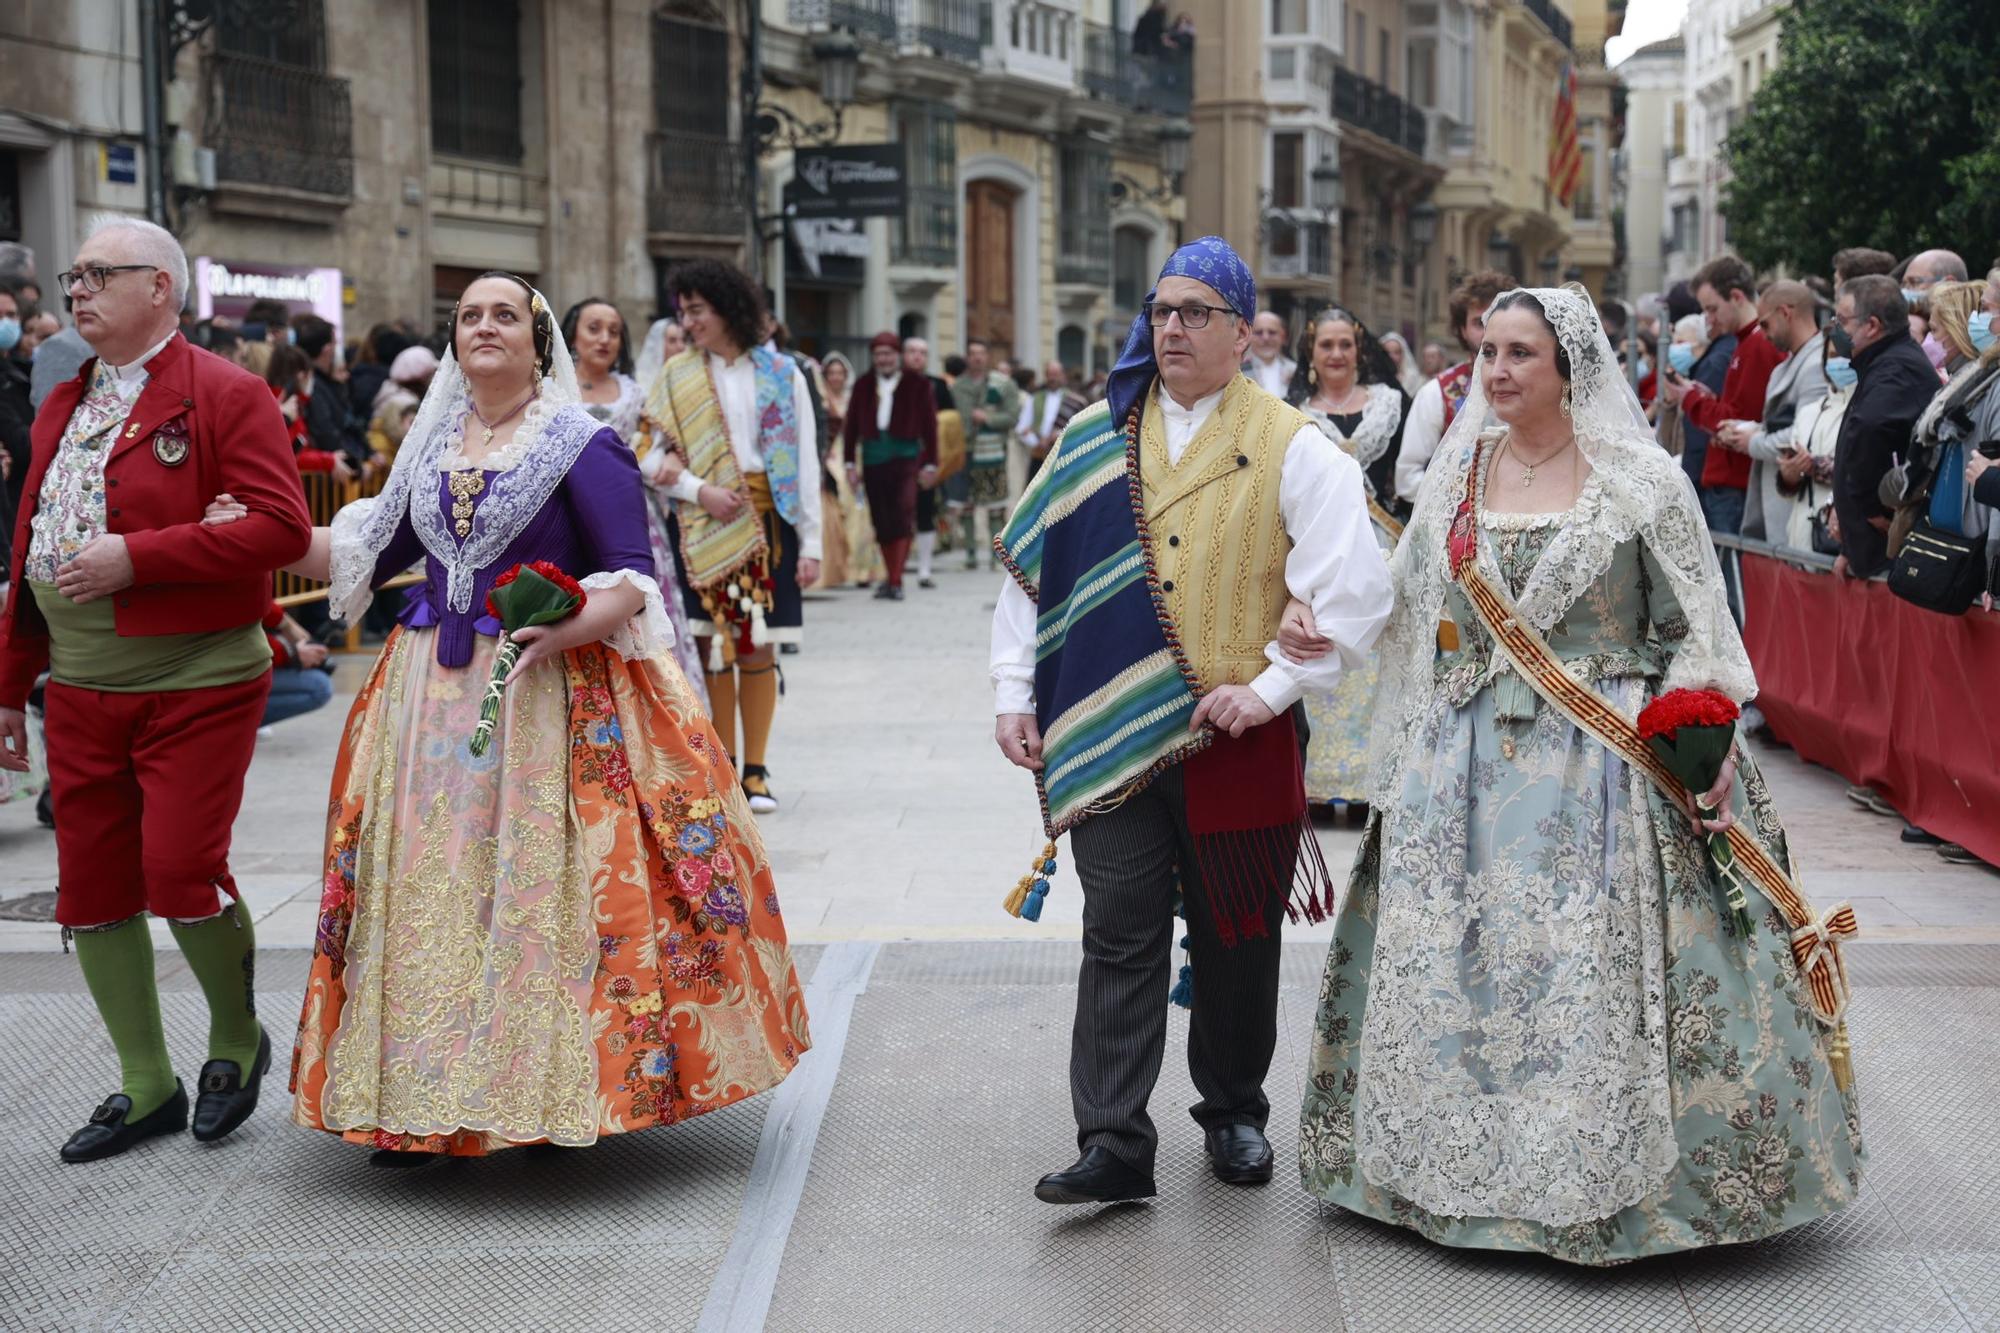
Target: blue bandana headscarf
point(1209, 259)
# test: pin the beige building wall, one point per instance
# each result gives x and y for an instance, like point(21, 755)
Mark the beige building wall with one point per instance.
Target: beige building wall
point(573, 213)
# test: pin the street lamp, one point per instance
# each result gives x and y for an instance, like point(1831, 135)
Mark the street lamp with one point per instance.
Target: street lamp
point(1423, 225)
point(1326, 193)
point(1174, 136)
point(839, 58)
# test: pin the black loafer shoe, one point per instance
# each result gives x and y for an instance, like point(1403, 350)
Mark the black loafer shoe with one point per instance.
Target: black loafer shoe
point(1239, 1154)
point(399, 1159)
point(227, 1098)
point(110, 1133)
point(1097, 1177)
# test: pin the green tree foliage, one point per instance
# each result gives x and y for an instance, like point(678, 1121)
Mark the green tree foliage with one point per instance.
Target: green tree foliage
point(1879, 127)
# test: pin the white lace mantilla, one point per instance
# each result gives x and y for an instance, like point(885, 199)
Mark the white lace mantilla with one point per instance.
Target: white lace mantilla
point(1635, 491)
point(527, 469)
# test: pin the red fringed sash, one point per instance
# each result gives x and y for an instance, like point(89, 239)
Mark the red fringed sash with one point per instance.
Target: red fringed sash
point(1246, 807)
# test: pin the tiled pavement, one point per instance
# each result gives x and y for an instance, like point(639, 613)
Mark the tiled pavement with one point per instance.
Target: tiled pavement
point(913, 1209)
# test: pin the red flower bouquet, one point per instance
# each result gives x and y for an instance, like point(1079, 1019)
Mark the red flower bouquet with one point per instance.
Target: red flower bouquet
point(531, 594)
point(1692, 732)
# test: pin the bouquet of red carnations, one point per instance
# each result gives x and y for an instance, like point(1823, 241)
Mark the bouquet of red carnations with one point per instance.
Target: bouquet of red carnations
point(532, 594)
point(1692, 732)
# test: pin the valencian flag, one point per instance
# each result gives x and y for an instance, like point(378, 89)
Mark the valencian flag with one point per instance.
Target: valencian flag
point(1565, 157)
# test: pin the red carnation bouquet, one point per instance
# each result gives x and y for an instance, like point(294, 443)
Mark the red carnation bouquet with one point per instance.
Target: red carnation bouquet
point(530, 594)
point(1692, 732)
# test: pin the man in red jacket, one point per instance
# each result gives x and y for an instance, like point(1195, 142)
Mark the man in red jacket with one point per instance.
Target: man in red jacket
point(149, 626)
point(1727, 291)
point(890, 444)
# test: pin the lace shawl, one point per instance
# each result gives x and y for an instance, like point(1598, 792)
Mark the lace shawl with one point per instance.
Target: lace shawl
point(1635, 491)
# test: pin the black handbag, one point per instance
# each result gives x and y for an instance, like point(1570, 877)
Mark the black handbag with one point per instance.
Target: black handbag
point(1939, 571)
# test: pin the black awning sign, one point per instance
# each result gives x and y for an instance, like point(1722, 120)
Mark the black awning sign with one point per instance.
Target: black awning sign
point(853, 181)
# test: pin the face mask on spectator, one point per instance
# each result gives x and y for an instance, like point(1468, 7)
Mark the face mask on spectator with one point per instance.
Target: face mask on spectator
point(1978, 329)
point(1839, 372)
point(1645, 367)
point(1840, 339)
point(1911, 296)
point(10, 333)
point(1681, 357)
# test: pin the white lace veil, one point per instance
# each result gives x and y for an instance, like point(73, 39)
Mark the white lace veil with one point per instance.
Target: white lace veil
point(1635, 490)
point(364, 529)
point(652, 355)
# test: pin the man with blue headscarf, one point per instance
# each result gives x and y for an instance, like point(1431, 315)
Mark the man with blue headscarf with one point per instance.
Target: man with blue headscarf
point(1136, 676)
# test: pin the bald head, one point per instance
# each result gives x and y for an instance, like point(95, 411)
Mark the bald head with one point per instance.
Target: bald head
point(1786, 310)
point(1267, 336)
point(1932, 267)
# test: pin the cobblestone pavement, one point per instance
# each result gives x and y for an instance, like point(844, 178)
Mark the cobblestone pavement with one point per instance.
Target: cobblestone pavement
point(885, 1186)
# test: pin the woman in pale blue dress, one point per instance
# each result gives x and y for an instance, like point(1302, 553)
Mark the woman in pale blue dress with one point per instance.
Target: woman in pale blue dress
point(1537, 1030)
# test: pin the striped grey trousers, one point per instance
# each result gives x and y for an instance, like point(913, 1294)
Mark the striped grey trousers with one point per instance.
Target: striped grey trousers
point(1130, 860)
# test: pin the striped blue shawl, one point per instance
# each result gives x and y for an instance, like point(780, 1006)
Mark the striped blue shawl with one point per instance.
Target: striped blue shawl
point(1113, 691)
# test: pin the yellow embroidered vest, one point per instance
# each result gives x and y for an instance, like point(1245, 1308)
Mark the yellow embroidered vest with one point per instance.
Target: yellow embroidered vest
point(1216, 536)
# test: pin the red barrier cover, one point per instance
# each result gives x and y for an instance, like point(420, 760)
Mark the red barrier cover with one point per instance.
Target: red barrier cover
point(1886, 694)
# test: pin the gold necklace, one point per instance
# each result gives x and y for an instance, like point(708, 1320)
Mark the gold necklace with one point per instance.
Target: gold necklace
point(1527, 468)
point(491, 426)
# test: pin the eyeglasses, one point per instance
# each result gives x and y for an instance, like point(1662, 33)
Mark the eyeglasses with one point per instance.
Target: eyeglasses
point(94, 277)
point(1194, 315)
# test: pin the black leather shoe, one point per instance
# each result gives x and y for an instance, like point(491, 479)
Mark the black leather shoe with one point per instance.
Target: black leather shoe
point(398, 1159)
point(227, 1098)
point(1097, 1177)
point(1239, 1154)
point(110, 1133)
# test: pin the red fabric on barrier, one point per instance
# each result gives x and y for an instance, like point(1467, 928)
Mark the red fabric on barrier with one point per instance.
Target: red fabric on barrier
point(1886, 694)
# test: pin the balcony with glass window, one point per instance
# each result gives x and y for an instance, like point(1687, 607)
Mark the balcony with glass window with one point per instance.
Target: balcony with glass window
point(1157, 85)
point(1298, 248)
point(280, 129)
point(1037, 41)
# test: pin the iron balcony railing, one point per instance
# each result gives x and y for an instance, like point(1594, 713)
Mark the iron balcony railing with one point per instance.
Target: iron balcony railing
point(1368, 105)
point(928, 233)
point(1553, 19)
point(695, 184)
point(1297, 249)
point(954, 29)
point(866, 18)
point(1161, 85)
point(281, 125)
point(1084, 255)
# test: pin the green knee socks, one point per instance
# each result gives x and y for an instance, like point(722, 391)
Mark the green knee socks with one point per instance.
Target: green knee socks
point(222, 954)
point(118, 967)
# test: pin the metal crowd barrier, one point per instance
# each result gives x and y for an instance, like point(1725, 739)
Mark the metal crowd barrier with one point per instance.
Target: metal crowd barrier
point(325, 495)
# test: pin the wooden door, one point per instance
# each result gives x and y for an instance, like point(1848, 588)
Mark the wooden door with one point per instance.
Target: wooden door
point(989, 264)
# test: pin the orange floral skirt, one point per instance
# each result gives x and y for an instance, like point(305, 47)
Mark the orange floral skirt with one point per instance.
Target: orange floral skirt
point(573, 935)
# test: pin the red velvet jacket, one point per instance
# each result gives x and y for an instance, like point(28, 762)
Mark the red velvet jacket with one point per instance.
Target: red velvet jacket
point(912, 416)
point(224, 428)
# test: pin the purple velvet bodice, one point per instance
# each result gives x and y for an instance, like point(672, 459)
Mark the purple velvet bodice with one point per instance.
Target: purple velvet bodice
point(594, 523)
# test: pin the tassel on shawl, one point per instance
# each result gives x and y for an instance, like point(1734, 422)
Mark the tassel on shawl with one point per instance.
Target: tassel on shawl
point(1025, 900)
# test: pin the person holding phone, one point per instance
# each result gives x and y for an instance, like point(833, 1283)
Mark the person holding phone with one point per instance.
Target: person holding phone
point(1788, 313)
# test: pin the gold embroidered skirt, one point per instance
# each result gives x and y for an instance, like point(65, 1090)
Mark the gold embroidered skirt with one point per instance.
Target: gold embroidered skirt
point(571, 936)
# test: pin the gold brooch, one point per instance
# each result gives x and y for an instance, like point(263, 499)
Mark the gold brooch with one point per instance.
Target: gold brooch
point(464, 486)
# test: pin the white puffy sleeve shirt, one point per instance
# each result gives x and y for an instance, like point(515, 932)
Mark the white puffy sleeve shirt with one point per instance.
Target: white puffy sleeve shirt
point(1335, 567)
point(736, 389)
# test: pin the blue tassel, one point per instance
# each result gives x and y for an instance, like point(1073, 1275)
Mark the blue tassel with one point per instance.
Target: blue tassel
point(1183, 992)
point(1031, 910)
point(1049, 866)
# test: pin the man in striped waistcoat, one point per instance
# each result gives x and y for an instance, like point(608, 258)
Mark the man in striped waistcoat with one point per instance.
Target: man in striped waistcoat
point(1151, 560)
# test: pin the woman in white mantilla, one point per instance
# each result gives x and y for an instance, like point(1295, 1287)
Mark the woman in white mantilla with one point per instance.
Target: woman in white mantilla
point(1537, 1028)
point(573, 933)
point(1346, 383)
